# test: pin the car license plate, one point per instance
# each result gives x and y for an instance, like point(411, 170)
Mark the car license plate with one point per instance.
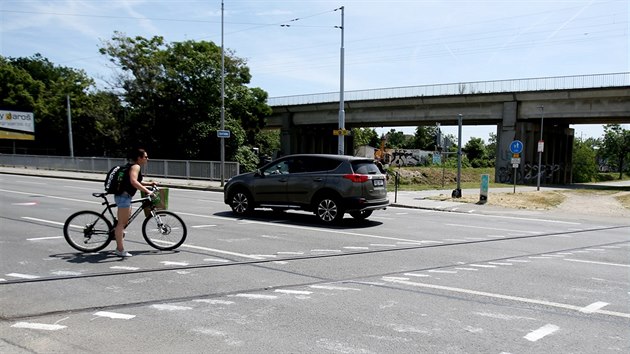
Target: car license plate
point(378, 182)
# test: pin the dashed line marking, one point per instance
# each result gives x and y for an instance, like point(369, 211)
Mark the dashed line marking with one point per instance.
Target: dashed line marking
point(114, 315)
point(331, 287)
point(23, 276)
point(202, 226)
point(169, 263)
point(541, 332)
point(256, 296)
point(124, 268)
point(44, 238)
point(166, 307)
point(473, 269)
point(293, 292)
point(443, 271)
point(594, 262)
point(594, 307)
point(500, 263)
point(40, 326)
point(483, 265)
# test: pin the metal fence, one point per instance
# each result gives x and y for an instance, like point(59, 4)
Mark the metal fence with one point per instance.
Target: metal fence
point(497, 86)
point(209, 170)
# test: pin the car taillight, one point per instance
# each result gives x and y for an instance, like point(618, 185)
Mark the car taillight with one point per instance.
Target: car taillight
point(356, 178)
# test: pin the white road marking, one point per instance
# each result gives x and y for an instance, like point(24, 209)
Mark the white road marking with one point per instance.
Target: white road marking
point(467, 269)
point(169, 263)
point(518, 260)
point(166, 307)
point(594, 307)
point(356, 248)
point(51, 196)
point(442, 271)
point(43, 220)
point(114, 315)
point(493, 228)
point(482, 265)
point(221, 251)
point(454, 240)
point(541, 332)
point(41, 326)
point(601, 263)
point(331, 287)
point(65, 273)
point(215, 260)
point(293, 292)
point(503, 297)
point(44, 238)
point(500, 263)
point(291, 253)
point(202, 226)
point(256, 296)
point(124, 268)
point(324, 251)
point(214, 302)
point(420, 275)
point(24, 204)
point(23, 276)
point(381, 245)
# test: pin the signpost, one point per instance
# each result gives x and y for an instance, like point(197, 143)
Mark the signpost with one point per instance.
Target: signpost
point(516, 147)
point(483, 194)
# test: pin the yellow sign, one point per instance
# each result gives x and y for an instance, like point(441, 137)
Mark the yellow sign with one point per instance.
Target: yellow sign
point(516, 156)
point(341, 132)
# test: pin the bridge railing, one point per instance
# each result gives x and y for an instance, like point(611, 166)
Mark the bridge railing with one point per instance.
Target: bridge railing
point(474, 87)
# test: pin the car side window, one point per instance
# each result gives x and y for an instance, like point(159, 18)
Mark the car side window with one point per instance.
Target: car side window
point(365, 168)
point(322, 164)
point(279, 168)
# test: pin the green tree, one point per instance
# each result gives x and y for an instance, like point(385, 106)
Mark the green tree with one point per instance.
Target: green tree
point(365, 136)
point(475, 150)
point(584, 164)
point(491, 149)
point(397, 140)
point(425, 138)
point(616, 147)
point(172, 93)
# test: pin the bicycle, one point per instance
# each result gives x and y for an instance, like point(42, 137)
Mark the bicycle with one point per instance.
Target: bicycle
point(89, 231)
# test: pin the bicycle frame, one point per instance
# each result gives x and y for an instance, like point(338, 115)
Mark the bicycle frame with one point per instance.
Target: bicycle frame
point(146, 203)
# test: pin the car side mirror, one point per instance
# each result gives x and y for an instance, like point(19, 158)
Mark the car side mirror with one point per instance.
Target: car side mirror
point(259, 173)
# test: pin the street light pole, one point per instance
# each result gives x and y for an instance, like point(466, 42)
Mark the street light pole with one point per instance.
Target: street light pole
point(222, 100)
point(342, 112)
point(540, 149)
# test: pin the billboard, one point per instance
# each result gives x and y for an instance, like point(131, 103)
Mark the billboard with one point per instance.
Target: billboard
point(17, 125)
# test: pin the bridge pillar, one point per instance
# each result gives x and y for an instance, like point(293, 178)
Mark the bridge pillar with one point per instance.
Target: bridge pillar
point(309, 139)
point(556, 164)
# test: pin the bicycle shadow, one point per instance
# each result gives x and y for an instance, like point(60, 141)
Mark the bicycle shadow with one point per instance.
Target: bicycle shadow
point(107, 256)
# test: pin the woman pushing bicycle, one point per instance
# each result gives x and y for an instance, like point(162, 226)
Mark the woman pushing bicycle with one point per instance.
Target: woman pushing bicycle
point(131, 183)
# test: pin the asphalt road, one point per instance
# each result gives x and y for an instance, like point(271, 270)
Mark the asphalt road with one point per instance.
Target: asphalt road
point(405, 281)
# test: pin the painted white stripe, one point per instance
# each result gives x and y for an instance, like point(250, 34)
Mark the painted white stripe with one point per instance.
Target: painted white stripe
point(43, 220)
point(467, 269)
point(51, 196)
point(601, 263)
point(24, 204)
point(495, 236)
point(541, 332)
point(214, 302)
point(519, 261)
point(202, 226)
point(2, 279)
point(594, 307)
point(280, 262)
point(41, 326)
point(166, 307)
point(318, 250)
point(539, 257)
point(256, 296)
point(443, 271)
point(330, 287)
point(493, 228)
point(356, 248)
point(504, 297)
point(168, 263)
point(419, 275)
point(475, 238)
point(382, 245)
point(23, 276)
point(293, 292)
point(395, 278)
point(216, 260)
point(595, 249)
point(44, 238)
point(500, 263)
point(482, 265)
point(124, 268)
point(454, 240)
point(291, 253)
point(114, 315)
point(65, 272)
point(221, 251)
point(265, 256)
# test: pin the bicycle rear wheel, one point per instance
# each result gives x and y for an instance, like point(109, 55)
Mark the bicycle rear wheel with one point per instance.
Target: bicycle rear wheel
point(166, 231)
point(87, 231)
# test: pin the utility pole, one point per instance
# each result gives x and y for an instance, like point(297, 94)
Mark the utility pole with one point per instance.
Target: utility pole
point(70, 126)
point(342, 112)
point(457, 193)
point(222, 100)
point(540, 145)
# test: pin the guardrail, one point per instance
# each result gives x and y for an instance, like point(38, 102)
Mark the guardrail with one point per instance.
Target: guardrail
point(187, 169)
point(461, 88)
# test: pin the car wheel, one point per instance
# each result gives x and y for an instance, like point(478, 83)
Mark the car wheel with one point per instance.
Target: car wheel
point(241, 203)
point(328, 210)
point(361, 214)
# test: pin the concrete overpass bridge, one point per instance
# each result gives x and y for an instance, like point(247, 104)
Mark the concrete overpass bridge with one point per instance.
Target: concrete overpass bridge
point(514, 106)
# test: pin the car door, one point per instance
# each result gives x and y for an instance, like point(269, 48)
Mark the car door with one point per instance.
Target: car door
point(308, 175)
point(270, 186)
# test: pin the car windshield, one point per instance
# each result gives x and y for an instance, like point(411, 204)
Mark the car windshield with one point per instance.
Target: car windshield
point(365, 168)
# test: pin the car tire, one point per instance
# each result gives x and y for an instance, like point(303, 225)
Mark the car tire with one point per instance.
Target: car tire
point(328, 209)
point(361, 214)
point(241, 202)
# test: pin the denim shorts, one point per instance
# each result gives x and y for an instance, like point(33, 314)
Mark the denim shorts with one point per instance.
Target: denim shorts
point(123, 200)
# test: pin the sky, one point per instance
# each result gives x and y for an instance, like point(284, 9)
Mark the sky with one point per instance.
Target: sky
point(293, 47)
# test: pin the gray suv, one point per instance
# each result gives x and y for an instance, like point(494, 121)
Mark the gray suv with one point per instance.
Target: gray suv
point(328, 185)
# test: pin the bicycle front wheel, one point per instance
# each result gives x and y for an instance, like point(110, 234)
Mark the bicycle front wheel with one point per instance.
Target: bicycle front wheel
point(164, 231)
point(87, 231)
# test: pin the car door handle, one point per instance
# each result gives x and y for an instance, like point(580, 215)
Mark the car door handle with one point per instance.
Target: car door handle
point(318, 179)
point(282, 180)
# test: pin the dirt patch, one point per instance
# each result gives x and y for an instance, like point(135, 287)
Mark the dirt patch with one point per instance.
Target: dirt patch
point(520, 200)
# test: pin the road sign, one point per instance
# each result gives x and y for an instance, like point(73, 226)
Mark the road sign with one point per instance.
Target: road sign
point(223, 133)
point(516, 147)
point(516, 160)
point(341, 132)
point(541, 146)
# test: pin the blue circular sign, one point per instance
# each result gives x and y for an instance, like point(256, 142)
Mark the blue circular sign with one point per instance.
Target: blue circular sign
point(516, 147)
